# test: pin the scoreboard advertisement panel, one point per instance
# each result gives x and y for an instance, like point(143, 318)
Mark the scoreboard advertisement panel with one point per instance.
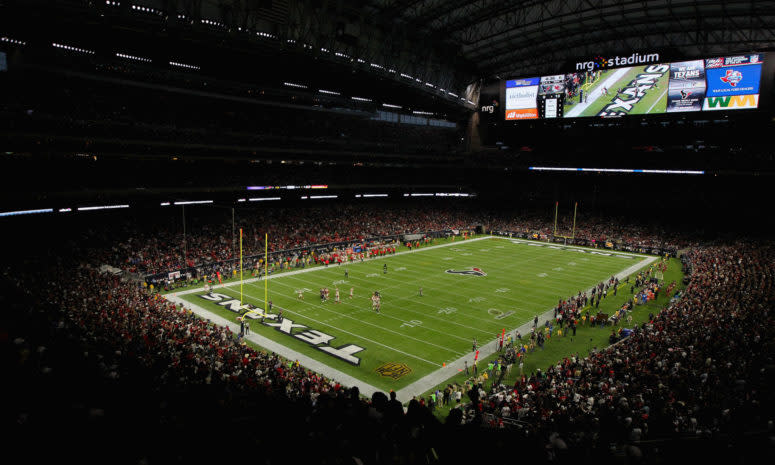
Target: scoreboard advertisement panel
point(521, 100)
point(687, 86)
point(721, 83)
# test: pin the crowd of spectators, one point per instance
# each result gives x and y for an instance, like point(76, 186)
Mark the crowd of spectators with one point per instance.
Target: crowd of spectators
point(700, 368)
point(296, 232)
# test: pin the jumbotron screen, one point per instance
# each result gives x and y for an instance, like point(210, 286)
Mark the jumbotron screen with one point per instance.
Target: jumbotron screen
point(722, 83)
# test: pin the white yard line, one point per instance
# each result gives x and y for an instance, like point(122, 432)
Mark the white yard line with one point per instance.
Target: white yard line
point(344, 315)
point(657, 101)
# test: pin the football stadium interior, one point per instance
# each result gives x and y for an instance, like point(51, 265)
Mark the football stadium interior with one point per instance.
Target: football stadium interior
point(387, 231)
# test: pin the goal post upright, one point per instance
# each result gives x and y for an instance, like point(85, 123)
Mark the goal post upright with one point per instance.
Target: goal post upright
point(556, 209)
point(573, 232)
point(240, 266)
point(266, 276)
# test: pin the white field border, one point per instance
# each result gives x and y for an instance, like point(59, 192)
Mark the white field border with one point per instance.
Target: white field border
point(421, 385)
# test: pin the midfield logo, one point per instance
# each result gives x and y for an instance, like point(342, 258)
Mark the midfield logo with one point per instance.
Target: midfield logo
point(470, 272)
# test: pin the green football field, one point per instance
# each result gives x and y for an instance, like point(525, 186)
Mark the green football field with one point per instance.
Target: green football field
point(414, 335)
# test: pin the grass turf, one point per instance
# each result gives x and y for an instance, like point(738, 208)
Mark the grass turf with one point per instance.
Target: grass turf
point(425, 331)
point(587, 337)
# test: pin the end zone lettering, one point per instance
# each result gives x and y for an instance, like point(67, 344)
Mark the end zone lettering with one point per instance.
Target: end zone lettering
point(634, 92)
point(313, 337)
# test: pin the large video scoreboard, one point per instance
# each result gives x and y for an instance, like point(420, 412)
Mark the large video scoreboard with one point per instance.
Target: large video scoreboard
point(711, 84)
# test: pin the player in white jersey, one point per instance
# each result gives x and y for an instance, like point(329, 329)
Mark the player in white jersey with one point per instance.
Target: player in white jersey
point(300, 294)
point(336, 295)
point(352, 289)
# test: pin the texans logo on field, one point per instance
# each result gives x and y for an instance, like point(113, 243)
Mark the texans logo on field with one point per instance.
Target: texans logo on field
point(471, 272)
point(733, 77)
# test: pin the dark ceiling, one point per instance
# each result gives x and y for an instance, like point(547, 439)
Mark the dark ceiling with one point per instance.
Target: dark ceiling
point(512, 37)
point(435, 46)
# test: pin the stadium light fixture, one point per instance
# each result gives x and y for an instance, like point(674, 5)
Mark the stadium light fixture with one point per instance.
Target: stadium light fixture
point(165, 204)
point(416, 194)
point(112, 3)
point(293, 84)
point(264, 199)
point(211, 22)
point(241, 200)
point(132, 57)
point(417, 112)
point(390, 105)
point(9, 40)
point(614, 170)
point(183, 65)
point(65, 210)
point(361, 60)
point(330, 92)
point(361, 99)
point(102, 207)
point(323, 196)
point(375, 65)
point(146, 9)
point(193, 202)
point(26, 212)
point(73, 49)
point(367, 196)
point(451, 194)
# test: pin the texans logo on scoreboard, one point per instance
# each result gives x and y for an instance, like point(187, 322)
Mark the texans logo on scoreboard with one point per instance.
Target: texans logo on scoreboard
point(732, 77)
point(470, 272)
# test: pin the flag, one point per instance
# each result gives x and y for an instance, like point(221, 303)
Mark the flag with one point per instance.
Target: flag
point(476, 356)
point(218, 273)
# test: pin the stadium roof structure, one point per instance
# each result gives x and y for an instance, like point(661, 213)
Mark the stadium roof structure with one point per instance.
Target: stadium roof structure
point(515, 37)
point(434, 48)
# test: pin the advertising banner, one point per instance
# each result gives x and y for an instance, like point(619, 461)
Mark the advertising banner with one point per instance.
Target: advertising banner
point(521, 100)
point(687, 86)
point(734, 80)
